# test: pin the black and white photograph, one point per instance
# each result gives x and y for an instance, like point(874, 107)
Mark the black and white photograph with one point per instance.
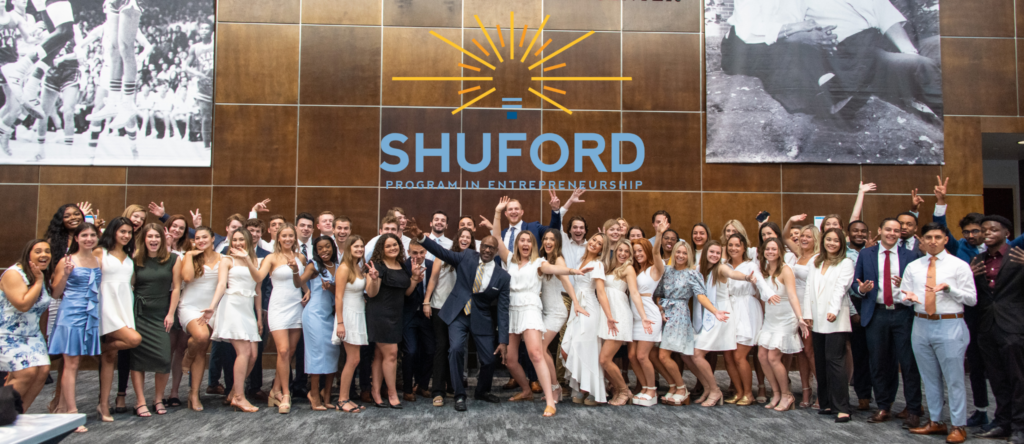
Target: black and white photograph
point(107, 82)
point(824, 81)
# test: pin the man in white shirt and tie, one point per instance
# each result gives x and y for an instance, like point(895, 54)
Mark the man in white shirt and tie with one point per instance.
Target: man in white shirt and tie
point(439, 223)
point(938, 285)
point(342, 230)
point(304, 230)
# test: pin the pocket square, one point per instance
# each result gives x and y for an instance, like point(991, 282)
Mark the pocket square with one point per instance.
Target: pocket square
point(494, 288)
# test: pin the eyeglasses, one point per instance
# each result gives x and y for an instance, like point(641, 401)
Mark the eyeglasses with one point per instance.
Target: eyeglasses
point(972, 232)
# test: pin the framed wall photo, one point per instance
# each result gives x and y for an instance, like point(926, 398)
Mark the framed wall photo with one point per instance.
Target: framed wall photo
point(75, 94)
point(824, 81)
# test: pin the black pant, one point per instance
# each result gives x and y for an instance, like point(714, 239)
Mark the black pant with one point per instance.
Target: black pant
point(458, 335)
point(830, 368)
point(123, 370)
point(861, 362)
point(976, 364)
point(441, 372)
point(1004, 362)
point(417, 350)
point(301, 380)
point(892, 356)
point(364, 369)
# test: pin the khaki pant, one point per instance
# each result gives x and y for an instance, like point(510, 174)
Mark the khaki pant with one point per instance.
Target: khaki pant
point(559, 365)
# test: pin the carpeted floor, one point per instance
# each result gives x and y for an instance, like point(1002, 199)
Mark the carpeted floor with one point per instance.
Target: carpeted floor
point(505, 422)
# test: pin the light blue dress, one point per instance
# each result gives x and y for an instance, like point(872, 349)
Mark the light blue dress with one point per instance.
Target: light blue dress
point(77, 331)
point(675, 290)
point(21, 340)
point(318, 327)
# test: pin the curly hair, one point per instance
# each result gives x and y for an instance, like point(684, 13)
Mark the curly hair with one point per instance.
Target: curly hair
point(57, 234)
point(378, 250)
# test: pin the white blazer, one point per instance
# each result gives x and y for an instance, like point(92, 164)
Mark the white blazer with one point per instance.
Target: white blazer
point(826, 294)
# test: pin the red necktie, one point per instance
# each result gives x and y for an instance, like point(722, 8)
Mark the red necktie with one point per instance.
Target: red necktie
point(886, 281)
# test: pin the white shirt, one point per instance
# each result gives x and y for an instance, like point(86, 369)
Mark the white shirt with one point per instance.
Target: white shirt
point(948, 270)
point(572, 252)
point(894, 270)
point(222, 245)
point(373, 243)
point(508, 235)
point(267, 245)
point(442, 241)
point(486, 278)
point(853, 16)
point(310, 251)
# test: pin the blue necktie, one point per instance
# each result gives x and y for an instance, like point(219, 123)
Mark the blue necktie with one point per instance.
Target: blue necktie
point(511, 238)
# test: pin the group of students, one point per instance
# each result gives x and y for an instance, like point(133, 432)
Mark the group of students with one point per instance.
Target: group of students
point(558, 308)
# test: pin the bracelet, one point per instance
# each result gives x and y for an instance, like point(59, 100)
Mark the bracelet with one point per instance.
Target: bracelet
point(426, 303)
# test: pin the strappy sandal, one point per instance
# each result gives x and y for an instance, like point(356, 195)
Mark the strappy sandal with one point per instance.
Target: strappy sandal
point(159, 408)
point(142, 414)
point(805, 404)
point(173, 402)
point(623, 396)
point(520, 397)
point(549, 411)
point(668, 399)
point(681, 398)
point(357, 409)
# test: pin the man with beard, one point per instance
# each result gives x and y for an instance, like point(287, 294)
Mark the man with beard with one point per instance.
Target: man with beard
point(439, 223)
point(859, 233)
point(971, 245)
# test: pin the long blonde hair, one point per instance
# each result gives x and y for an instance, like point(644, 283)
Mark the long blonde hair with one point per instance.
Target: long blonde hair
point(817, 237)
point(611, 261)
point(277, 238)
point(534, 255)
point(690, 256)
point(739, 229)
point(349, 260)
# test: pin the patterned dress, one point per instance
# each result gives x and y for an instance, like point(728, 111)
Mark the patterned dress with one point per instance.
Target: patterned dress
point(674, 292)
point(21, 341)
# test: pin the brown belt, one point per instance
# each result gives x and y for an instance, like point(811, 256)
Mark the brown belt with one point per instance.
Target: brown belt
point(936, 317)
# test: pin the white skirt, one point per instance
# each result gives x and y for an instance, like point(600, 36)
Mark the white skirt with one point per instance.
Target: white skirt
point(235, 319)
point(525, 317)
point(284, 312)
point(722, 335)
point(746, 311)
point(787, 343)
point(583, 349)
point(619, 305)
point(555, 313)
point(117, 304)
point(353, 312)
point(653, 314)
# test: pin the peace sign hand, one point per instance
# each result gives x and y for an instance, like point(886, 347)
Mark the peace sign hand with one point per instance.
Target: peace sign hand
point(372, 273)
point(555, 203)
point(293, 265)
point(915, 200)
point(940, 190)
point(197, 218)
point(69, 265)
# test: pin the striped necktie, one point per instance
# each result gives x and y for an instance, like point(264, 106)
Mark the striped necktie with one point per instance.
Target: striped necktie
point(477, 283)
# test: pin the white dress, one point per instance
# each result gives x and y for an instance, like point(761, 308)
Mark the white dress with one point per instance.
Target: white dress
point(746, 309)
point(619, 305)
point(780, 331)
point(117, 302)
point(525, 311)
point(353, 313)
point(800, 277)
point(555, 313)
point(580, 342)
point(646, 286)
point(198, 295)
point(285, 308)
point(235, 317)
point(722, 335)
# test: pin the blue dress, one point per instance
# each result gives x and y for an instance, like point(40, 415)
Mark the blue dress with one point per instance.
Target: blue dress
point(21, 340)
point(318, 328)
point(675, 290)
point(77, 332)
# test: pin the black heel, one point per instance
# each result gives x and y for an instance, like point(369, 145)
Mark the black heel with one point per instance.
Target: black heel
point(120, 409)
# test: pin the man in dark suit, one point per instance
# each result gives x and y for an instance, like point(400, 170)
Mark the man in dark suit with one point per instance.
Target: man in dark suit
point(480, 285)
point(888, 323)
point(417, 332)
point(999, 280)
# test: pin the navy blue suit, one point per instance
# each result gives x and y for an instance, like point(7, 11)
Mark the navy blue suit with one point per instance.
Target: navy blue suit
point(536, 228)
point(888, 333)
point(417, 335)
point(479, 322)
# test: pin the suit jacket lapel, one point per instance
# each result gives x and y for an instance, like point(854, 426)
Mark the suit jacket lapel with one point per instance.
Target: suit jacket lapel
point(1003, 273)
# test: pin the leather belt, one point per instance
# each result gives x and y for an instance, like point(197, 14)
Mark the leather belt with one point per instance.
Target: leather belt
point(936, 317)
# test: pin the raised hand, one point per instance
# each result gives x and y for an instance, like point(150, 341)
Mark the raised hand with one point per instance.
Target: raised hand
point(411, 229)
point(86, 207)
point(865, 286)
point(798, 218)
point(100, 223)
point(167, 237)
point(197, 218)
point(502, 203)
point(69, 265)
point(722, 316)
point(555, 203)
point(1016, 255)
point(978, 265)
point(940, 189)
point(866, 187)
point(261, 206)
point(576, 196)
point(910, 296)
point(915, 200)
point(372, 273)
point(157, 210)
point(486, 224)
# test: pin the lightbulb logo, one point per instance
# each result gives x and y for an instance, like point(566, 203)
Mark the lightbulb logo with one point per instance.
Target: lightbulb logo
point(511, 102)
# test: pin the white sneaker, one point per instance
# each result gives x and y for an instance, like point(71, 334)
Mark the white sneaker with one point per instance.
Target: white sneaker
point(109, 110)
point(125, 114)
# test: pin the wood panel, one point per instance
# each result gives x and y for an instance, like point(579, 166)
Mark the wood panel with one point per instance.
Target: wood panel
point(266, 11)
point(902, 178)
point(665, 77)
point(19, 174)
point(490, 12)
point(741, 177)
point(348, 12)
point(671, 150)
point(669, 16)
point(596, 56)
point(585, 15)
point(878, 207)
point(340, 65)
point(722, 207)
point(108, 200)
point(821, 178)
point(257, 63)
point(511, 77)
point(413, 52)
point(81, 174)
point(963, 155)
point(685, 209)
point(960, 206)
point(170, 175)
point(977, 18)
point(811, 205)
point(256, 145)
point(434, 13)
point(339, 146)
point(358, 204)
point(231, 200)
point(176, 200)
point(421, 205)
point(20, 228)
point(567, 126)
point(965, 91)
point(997, 125)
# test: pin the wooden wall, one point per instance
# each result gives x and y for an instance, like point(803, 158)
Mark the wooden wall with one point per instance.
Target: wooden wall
point(303, 94)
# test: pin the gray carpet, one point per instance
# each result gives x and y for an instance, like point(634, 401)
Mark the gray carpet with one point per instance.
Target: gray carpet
point(505, 422)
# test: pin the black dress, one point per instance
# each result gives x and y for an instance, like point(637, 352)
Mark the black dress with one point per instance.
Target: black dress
point(384, 311)
point(152, 300)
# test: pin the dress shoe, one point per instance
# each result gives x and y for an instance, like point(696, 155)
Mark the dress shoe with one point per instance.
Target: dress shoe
point(864, 404)
point(460, 403)
point(881, 416)
point(215, 390)
point(422, 392)
point(931, 428)
point(487, 397)
point(994, 432)
point(977, 419)
point(535, 387)
point(903, 414)
point(411, 397)
point(1017, 437)
point(956, 435)
point(991, 425)
point(259, 396)
point(366, 396)
point(912, 422)
point(511, 384)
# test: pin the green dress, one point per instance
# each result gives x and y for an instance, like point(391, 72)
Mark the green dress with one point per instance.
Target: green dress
point(152, 300)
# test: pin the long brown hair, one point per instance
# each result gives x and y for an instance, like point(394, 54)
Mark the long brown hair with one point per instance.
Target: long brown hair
point(516, 258)
point(378, 250)
point(26, 259)
point(822, 252)
point(556, 251)
point(765, 265)
point(182, 244)
point(141, 252)
point(197, 265)
point(743, 244)
point(706, 267)
point(350, 261)
point(648, 253)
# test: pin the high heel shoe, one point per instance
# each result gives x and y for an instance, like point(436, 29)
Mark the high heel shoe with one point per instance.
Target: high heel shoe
point(314, 405)
point(712, 401)
point(805, 404)
point(285, 406)
point(668, 398)
point(732, 399)
point(549, 411)
point(783, 406)
point(681, 398)
point(744, 401)
point(272, 400)
point(122, 409)
point(196, 406)
point(104, 418)
point(245, 408)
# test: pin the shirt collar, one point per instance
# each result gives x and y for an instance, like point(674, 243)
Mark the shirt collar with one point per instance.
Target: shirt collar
point(518, 226)
point(941, 256)
point(895, 248)
point(999, 252)
point(581, 243)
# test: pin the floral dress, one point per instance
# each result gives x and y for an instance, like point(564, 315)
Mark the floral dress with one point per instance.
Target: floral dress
point(21, 341)
point(674, 292)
